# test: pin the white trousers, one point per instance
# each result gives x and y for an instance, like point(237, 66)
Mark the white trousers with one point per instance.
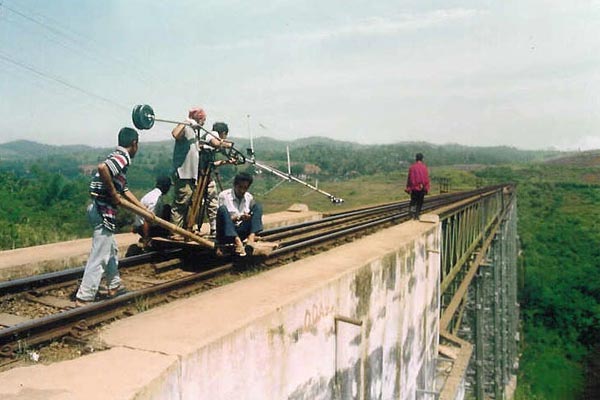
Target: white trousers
point(212, 203)
point(103, 259)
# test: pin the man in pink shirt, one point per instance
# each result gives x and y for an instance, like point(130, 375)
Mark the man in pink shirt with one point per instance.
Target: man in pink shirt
point(417, 185)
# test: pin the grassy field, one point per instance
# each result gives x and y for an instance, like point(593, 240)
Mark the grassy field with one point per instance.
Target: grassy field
point(357, 192)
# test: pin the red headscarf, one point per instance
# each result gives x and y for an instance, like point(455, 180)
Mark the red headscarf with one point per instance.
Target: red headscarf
point(197, 114)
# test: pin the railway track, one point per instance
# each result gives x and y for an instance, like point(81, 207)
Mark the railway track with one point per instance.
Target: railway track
point(40, 309)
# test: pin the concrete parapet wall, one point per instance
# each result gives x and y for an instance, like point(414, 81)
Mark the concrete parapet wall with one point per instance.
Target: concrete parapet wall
point(314, 348)
point(359, 321)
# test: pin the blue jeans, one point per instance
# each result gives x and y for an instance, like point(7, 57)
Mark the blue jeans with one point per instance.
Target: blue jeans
point(227, 230)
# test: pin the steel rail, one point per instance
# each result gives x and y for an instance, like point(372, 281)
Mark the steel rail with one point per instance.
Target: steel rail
point(394, 214)
point(431, 203)
point(22, 284)
point(334, 217)
point(42, 329)
point(298, 235)
point(342, 231)
point(72, 321)
point(76, 321)
point(337, 233)
point(35, 281)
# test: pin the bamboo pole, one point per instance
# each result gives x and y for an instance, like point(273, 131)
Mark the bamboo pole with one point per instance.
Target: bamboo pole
point(150, 217)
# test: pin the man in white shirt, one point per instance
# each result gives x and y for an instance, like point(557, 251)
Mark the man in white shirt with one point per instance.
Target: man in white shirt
point(153, 201)
point(239, 217)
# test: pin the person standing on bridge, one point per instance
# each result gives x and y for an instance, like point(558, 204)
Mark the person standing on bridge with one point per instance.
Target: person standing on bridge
point(191, 154)
point(185, 164)
point(417, 185)
point(106, 187)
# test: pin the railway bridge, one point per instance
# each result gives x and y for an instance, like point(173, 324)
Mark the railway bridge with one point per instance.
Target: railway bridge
point(419, 310)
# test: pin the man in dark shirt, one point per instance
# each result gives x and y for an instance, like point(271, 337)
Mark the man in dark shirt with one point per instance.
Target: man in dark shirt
point(106, 186)
point(417, 185)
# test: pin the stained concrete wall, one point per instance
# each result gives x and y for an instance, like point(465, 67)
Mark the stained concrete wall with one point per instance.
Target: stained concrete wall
point(356, 322)
point(302, 351)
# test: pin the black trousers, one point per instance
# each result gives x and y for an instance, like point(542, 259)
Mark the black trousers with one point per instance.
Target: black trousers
point(416, 203)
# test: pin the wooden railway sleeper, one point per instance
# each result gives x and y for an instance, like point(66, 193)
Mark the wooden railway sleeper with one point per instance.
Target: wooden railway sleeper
point(79, 330)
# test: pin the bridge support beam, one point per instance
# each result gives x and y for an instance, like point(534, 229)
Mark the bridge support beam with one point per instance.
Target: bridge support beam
point(491, 321)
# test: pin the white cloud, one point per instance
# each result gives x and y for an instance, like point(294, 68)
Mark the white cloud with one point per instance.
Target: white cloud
point(368, 26)
point(389, 26)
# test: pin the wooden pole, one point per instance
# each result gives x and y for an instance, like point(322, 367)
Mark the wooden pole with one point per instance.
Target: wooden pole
point(150, 217)
point(198, 198)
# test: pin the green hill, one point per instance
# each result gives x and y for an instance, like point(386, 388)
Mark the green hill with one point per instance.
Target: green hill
point(578, 159)
point(26, 149)
point(331, 159)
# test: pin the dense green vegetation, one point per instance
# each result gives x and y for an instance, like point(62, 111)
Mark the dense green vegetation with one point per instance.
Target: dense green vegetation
point(45, 207)
point(560, 278)
point(44, 189)
point(43, 194)
point(43, 198)
point(334, 158)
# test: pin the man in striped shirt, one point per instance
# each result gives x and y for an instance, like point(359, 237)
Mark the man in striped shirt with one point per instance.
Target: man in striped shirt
point(106, 187)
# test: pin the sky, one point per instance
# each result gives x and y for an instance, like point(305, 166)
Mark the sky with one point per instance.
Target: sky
point(481, 73)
